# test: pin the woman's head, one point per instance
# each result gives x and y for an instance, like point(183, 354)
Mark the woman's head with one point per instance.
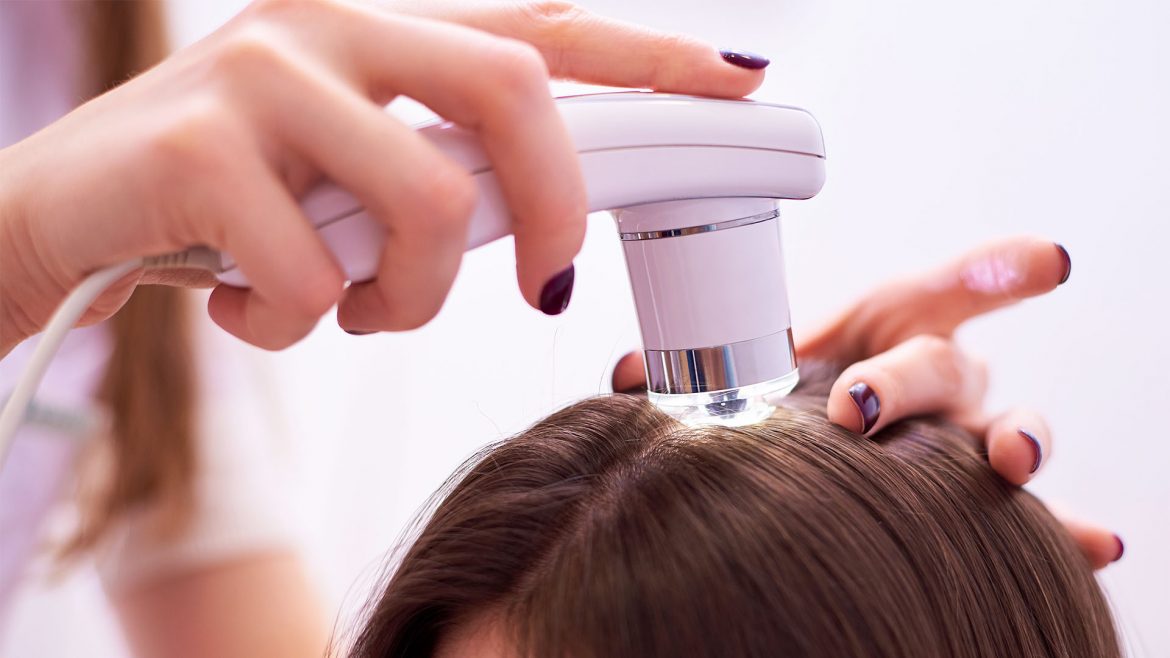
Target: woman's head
point(610, 530)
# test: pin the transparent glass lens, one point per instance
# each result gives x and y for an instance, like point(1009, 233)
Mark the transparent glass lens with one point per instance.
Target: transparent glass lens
point(733, 407)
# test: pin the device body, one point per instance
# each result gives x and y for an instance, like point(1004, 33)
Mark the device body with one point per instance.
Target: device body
point(693, 183)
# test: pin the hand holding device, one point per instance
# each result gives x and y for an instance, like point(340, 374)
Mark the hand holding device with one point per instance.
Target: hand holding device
point(693, 182)
point(216, 145)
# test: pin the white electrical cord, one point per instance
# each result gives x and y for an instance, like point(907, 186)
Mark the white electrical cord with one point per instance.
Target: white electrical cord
point(66, 317)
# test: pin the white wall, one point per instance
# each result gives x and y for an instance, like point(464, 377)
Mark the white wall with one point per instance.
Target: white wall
point(947, 124)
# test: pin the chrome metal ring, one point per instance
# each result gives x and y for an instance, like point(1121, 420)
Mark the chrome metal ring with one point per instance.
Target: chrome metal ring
point(702, 228)
point(722, 367)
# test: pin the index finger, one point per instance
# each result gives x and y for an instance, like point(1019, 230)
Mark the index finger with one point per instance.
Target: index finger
point(495, 87)
point(991, 277)
point(583, 46)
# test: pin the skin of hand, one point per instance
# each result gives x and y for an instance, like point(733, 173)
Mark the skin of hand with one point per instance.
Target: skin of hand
point(905, 362)
point(215, 145)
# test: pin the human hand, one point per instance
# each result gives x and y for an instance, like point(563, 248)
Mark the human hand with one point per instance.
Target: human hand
point(905, 362)
point(215, 145)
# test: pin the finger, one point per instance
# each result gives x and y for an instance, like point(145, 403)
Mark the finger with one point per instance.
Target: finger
point(426, 201)
point(580, 45)
point(294, 278)
point(499, 88)
point(991, 277)
point(415, 273)
point(1018, 444)
point(112, 299)
point(924, 375)
point(629, 375)
point(255, 319)
point(423, 197)
point(1100, 546)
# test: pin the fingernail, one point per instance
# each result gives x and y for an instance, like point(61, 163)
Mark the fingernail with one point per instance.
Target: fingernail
point(744, 59)
point(1120, 547)
point(1067, 262)
point(1036, 449)
point(867, 403)
point(355, 332)
point(554, 298)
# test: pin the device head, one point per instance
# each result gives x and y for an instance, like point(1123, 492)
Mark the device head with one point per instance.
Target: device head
point(709, 287)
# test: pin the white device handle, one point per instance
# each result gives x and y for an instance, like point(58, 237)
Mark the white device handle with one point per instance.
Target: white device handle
point(634, 148)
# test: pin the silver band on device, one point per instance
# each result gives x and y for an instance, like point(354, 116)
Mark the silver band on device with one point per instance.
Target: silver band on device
point(705, 369)
point(702, 228)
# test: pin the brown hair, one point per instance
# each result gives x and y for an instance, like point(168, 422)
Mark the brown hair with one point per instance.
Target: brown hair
point(149, 386)
point(609, 529)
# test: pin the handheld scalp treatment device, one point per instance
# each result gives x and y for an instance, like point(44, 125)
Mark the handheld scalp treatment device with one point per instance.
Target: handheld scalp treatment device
point(693, 183)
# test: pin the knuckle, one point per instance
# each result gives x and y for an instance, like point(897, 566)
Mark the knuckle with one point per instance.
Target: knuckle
point(930, 345)
point(553, 22)
point(250, 52)
point(451, 195)
point(191, 144)
point(943, 360)
point(670, 44)
point(516, 70)
point(553, 13)
point(179, 159)
point(666, 51)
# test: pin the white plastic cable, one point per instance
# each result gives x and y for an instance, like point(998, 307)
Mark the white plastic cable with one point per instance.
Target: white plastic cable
point(60, 324)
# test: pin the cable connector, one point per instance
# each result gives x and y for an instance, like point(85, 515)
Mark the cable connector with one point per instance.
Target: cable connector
point(15, 409)
point(203, 258)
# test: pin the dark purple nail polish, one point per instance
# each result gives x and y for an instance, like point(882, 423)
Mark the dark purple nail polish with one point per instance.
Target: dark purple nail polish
point(1036, 449)
point(1120, 548)
point(355, 332)
point(1067, 262)
point(744, 59)
point(554, 298)
point(867, 403)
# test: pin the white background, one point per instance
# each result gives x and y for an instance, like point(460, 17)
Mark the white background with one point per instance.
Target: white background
point(947, 124)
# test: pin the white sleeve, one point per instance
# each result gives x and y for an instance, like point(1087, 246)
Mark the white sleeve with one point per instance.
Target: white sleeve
point(243, 467)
